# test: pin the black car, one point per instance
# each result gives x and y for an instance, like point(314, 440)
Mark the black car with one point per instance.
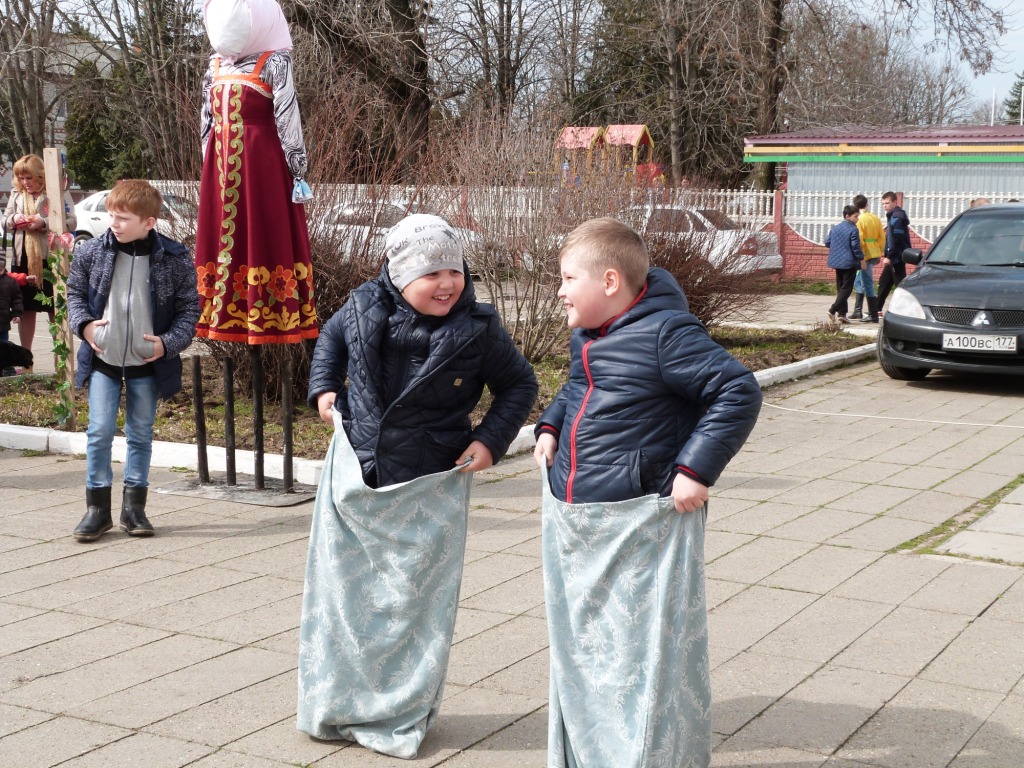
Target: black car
point(963, 307)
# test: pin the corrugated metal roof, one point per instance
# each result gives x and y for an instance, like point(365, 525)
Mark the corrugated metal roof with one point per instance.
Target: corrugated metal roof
point(866, 134)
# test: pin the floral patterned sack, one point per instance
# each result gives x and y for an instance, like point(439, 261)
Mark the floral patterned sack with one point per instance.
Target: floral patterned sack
point(627, 624)
point(378, 613)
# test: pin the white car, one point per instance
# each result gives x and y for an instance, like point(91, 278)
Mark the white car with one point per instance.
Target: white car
point(729, 246)
point(177, 217)
point(358, 230)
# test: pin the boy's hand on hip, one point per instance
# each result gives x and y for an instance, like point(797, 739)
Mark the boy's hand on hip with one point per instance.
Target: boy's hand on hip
point(478, 455)
point(89, 334)
point(544, 452)
point(688, 494)
point(325, 404)
point(158, 347)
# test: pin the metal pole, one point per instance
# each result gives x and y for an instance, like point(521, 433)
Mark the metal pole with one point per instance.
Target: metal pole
point(229, 422)
point(257, 414)
point(286, 420)
point(200, 413)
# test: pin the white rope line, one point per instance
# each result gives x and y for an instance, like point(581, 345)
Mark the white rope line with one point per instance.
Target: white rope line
point(895, 418)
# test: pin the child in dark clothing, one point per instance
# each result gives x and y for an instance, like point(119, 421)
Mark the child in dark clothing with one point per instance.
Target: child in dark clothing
point(652, 405)
point(11, 306)
point(398, 370)
point(417, 351)
point(652, 413)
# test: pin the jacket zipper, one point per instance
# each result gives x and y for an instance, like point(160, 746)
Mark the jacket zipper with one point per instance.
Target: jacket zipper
point(128, 317)
point(576, 422)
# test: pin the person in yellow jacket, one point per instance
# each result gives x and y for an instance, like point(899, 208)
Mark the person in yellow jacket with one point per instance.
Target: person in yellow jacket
point(872, 242)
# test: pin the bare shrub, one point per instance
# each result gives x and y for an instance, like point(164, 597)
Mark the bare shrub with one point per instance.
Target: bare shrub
point(714, 292)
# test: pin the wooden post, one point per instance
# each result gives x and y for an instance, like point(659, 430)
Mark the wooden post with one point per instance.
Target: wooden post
point(57, 225)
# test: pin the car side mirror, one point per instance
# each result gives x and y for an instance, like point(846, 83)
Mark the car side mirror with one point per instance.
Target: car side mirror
point(912, 256)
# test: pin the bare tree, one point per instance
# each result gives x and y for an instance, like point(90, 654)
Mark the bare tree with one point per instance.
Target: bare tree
point(156, 52)
point(379, 43)
point(31, 47)
point(488, 52)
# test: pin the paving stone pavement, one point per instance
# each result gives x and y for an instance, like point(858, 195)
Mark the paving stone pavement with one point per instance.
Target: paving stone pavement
point(828, 647)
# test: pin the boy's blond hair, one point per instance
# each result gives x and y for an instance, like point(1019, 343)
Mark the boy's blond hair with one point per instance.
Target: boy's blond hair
point(136, 196)
point(607, 243)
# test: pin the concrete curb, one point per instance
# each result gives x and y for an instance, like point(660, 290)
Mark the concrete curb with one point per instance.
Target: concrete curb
point(307, 471)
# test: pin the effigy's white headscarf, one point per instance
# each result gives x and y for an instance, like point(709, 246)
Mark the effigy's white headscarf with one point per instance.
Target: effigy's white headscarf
point(240, 28)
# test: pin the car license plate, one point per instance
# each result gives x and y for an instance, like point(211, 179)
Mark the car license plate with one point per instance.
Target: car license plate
point(974, 342)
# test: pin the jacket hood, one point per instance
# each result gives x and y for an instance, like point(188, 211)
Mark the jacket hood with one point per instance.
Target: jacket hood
point(466, 300)
point(660, 293)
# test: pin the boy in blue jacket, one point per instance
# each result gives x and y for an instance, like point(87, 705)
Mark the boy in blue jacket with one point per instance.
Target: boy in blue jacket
point(651, 414)
point(133, 300)
point(846, 258)
point(652, 404)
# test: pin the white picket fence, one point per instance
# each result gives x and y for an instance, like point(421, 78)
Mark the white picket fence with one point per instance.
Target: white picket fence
point(810, 214)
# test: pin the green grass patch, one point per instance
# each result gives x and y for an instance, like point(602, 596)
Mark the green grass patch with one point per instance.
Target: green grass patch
point(927, 543)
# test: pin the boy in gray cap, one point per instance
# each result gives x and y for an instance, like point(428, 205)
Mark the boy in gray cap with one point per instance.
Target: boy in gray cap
point(417, 351)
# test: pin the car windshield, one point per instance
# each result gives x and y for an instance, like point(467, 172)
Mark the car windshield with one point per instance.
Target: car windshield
point(718, 219)
point(995, 239)
point(179, 205)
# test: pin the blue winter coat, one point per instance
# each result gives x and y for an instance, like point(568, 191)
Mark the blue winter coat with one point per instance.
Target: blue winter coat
point(897, 234)
point(413, 381)
point(173, 295)
point(843, 243)
point(648, 396)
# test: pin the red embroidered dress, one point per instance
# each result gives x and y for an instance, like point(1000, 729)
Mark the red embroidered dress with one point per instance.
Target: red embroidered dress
point(252, 247)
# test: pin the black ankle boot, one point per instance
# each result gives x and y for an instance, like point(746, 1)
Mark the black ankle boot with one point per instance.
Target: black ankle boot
point(872, 315)
point(858, 306)
point(97, 515)
point(133, 512)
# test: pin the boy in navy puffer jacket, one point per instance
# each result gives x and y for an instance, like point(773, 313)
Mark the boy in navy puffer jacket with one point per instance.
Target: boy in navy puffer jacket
point(417, 351)
point(652, 404)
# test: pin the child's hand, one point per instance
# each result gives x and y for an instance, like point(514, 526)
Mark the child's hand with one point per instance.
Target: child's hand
point(689, 495)
point(158, 347)
point(15, 320)
point(90, 333)
point(478, 455)
point(544, 452)
point(325, 404)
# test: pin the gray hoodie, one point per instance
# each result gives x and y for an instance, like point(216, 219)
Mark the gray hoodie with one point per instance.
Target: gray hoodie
point(128, 313)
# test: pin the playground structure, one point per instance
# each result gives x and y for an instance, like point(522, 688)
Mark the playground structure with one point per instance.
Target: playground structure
point(616, 149)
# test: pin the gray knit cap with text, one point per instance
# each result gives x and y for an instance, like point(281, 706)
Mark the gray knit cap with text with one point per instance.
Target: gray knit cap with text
point(418, 245)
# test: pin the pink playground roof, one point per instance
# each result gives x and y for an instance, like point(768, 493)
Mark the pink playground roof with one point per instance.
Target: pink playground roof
point(628, 135)
point(574, 137)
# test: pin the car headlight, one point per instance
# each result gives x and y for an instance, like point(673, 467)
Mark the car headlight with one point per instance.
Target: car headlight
point(904, 303)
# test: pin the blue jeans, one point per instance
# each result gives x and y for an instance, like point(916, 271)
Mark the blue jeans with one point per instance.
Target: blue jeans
point(140, 413)
point(865, 280)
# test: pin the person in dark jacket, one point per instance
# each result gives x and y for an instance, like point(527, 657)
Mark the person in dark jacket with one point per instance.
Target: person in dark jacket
point(652, 404)
point(132, 298)
point(406, 359)
point(897, 240)
point(11, 306)
point(846, 258)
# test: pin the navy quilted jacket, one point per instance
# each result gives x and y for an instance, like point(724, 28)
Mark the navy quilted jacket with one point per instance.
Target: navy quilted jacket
point(173, 294)
point(843, 243)
point(649, 395)
point(413, 381)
